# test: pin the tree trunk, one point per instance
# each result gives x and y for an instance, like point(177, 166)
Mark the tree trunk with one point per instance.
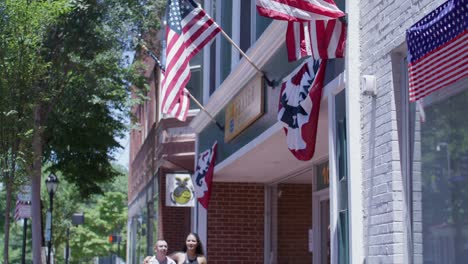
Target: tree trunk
point(36, 187)
point(8, 186)
point(9, 179)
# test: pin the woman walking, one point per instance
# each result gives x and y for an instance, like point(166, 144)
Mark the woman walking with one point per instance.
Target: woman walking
point(193, 251)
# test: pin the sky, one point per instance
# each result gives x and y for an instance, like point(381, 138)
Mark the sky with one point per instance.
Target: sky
point(122, 156)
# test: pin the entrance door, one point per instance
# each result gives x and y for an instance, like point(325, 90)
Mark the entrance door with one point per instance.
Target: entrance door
point(325, 246)
point(321, 242)
point(291, 220)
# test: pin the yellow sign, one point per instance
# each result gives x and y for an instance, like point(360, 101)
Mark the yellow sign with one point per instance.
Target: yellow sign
point(244, 109)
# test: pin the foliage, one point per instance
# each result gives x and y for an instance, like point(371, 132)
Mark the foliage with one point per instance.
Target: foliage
point(64, 91)
point(105, 214)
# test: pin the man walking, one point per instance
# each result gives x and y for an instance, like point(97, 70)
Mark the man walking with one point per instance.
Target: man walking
point(160, 249)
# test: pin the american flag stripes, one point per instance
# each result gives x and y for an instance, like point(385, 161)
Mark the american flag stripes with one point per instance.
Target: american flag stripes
point(304, 10)
point(181, 108)
point(321, 39)
point(17, 209)
point(437, 49)
point(22, 210)
point(188, 29)
point(313, 28)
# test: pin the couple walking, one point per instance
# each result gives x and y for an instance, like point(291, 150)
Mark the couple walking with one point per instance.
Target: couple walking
point(192, 253)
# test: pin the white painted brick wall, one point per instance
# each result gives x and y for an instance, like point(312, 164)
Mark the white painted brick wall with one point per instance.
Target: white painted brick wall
point(382, 31)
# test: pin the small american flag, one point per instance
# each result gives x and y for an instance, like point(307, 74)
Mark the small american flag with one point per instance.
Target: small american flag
point(293, 10)
point(321, 39)
point(17, 216)
point(188, 29)
point(438, 49)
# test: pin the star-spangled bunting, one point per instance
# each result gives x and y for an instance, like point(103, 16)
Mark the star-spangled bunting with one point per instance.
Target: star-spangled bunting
point(438, 49)
point(299, 107)
point(188, 30)
point(203, 176)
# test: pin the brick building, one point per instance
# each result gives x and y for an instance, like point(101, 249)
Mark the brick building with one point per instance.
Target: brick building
point(387, 183)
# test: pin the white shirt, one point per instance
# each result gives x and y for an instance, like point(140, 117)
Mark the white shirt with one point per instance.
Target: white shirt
point(154, 260)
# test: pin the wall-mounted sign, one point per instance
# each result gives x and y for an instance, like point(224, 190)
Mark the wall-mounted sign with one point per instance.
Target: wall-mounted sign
point(244, 109)
point(179, 190)
point(323, 175)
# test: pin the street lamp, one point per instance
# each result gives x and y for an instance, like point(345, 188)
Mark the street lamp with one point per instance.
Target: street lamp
point(52, 184)
point(447, 153)
point(77, 219)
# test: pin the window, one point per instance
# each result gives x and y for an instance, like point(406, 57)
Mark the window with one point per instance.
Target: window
point(240, 20)
point(195, 84)
point(436, 137)
point(342, 173)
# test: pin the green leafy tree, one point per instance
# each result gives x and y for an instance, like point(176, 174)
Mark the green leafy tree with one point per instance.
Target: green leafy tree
point(23, 26)
point(66, 89)
point(105, 214)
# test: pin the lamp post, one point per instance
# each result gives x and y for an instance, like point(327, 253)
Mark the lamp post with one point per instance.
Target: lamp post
point(52, 184)
point(77, 219)
point(447, 154)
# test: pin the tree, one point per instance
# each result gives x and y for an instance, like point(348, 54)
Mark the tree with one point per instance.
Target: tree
point(105, 214)
point(22, 28)
point(72, 85)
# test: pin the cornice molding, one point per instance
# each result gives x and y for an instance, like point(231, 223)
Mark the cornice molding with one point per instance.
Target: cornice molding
point(270, 41)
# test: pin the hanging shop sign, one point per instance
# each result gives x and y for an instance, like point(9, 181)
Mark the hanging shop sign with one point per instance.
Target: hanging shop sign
point(244, 109)
point(179, 190)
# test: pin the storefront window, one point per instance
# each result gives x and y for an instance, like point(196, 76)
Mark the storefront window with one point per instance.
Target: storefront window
point(440, 176)
point(438, 139)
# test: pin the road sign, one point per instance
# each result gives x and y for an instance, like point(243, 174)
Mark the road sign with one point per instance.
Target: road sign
point(48, 226)
point(24, 193)
point(22, 210)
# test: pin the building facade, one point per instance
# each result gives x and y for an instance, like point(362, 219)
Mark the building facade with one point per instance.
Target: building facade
point(158, 147)
point(388, 182)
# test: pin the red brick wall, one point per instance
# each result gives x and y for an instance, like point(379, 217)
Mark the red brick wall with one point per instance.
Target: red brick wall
point(174, 222)
point(294, 221)
point(236, 223)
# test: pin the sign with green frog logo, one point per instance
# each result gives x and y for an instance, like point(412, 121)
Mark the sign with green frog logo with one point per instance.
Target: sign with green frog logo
point(179, 190)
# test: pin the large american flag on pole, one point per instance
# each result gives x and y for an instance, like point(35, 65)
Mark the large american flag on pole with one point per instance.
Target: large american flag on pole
point(188, 29)
point(438, 49)
point(313, 27)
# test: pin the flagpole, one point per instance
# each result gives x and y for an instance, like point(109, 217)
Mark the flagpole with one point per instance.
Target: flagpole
point(270, 83)
point(241, 52)
point(203, 108)
point(153, 56)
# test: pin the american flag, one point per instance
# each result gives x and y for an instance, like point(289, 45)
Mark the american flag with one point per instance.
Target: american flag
point(17, 209)
point(293, 10)
point(321, 39)
point(438, 49)
point(22, 210)
point(313, 28)
point(188, 29)
point(181, 108)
